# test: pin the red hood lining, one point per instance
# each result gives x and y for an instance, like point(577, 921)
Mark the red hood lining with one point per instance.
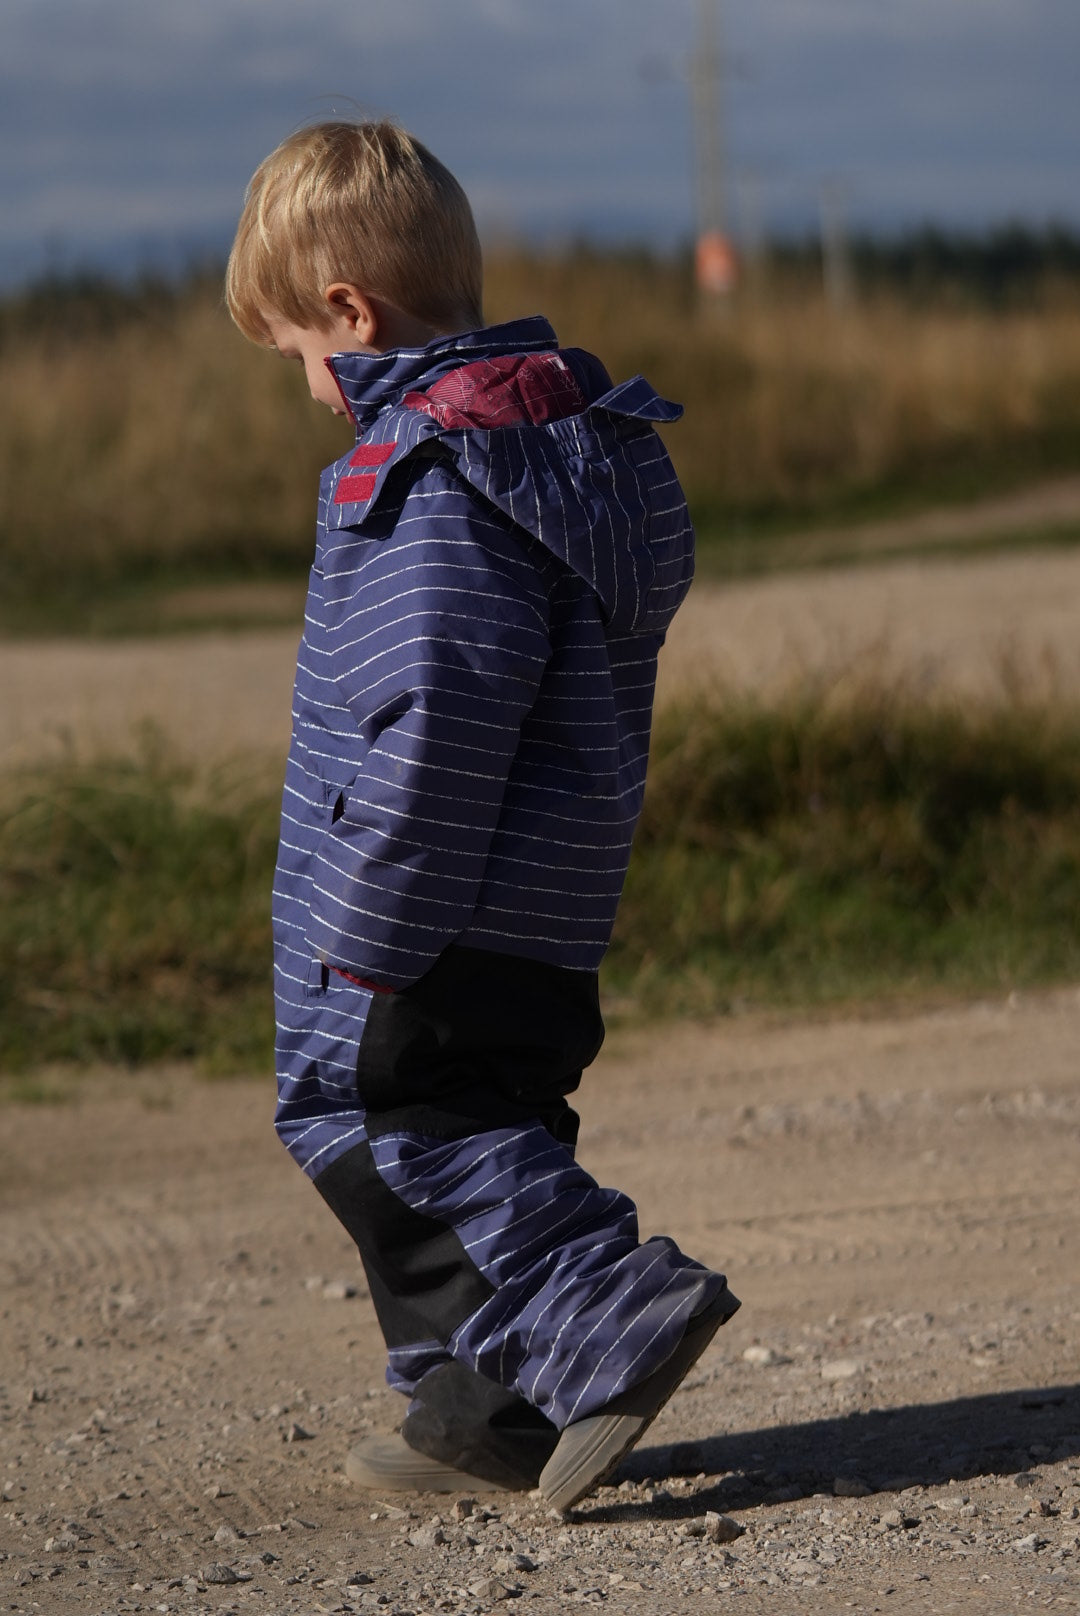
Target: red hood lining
point(510, 390)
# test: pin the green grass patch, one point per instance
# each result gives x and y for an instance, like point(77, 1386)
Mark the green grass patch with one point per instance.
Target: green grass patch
point(951, 478)
point(199, 594)
point(135, 916)
point(821, 853)
point(809, 854)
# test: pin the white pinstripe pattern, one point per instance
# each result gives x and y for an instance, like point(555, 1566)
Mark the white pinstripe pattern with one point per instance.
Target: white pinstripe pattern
point(473, 696)
point(580, 1308)
point(470, 734)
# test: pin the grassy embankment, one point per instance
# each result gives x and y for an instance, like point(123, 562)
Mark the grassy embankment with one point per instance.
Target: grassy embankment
point(812, 854)
point(145, 447)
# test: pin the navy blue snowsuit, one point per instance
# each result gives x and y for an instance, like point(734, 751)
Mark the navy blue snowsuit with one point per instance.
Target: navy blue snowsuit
point(497, 562)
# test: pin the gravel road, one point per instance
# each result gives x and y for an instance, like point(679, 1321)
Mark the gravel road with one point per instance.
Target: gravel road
point(892, 1423)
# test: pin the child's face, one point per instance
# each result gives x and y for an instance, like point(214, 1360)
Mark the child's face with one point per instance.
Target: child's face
point(312, 349)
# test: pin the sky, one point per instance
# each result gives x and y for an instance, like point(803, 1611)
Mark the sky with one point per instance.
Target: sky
point(128, 128)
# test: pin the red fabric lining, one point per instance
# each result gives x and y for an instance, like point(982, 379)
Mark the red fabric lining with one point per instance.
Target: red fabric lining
point(359, 981)
point(510, 390)
point(341, 390)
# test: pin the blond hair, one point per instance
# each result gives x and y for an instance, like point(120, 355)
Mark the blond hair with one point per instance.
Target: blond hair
point(362, 203)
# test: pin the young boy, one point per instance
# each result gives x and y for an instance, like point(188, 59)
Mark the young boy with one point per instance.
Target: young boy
point(497, 561)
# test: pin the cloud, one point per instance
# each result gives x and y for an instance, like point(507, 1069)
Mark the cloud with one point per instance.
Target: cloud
point(119, 116)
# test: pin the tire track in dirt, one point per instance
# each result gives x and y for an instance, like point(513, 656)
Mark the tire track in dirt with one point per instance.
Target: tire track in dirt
point(949, 1232)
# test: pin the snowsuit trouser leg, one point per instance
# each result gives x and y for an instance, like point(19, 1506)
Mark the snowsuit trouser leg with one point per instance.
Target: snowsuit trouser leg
point(422, 1282)
point(513, 1291)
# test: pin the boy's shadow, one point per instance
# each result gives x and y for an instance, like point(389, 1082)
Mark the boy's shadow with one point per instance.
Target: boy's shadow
point(886, 1449)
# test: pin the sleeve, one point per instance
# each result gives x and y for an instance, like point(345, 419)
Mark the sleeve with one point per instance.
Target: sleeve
point(440, 656)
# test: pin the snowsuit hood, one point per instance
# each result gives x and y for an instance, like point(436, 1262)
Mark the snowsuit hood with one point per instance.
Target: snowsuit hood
point(542, 434)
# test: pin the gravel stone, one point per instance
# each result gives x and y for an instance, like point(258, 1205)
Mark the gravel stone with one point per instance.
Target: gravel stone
point(489, 1588)
point(834, 1369)
point(897, 1520)
point(428, 1537)
point(721, 1528)
point(340, 1290)
point(62, 1544)
point(506, 1564)
point(222, 1575)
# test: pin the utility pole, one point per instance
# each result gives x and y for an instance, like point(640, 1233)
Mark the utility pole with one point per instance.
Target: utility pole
point(835, 257)
point(714, 259)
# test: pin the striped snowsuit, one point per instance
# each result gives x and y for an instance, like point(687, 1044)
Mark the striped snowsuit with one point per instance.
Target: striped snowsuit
point(497, 561)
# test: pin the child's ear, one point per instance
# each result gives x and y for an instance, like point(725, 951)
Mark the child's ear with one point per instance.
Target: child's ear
point(349, 303)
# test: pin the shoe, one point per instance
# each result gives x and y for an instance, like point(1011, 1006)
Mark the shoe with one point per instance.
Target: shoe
point(388, 1464)
point(590, 1449)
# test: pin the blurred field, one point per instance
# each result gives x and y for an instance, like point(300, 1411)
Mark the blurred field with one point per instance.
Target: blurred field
point(864, 795)
point(832, 845)
point(866, 779)
point(145, 440)
point(794, 410)
point(987, 628)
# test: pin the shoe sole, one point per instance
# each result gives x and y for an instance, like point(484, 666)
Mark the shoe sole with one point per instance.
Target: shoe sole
point(597, 1443)
point(392, 1466)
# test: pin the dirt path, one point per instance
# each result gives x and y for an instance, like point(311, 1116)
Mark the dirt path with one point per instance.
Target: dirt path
point(211, 695)
point(971, 628)
point(893, 1419)
point(967, 627)
point(1042, 508)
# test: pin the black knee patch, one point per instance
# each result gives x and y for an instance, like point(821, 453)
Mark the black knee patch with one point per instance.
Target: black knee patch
point(423, 1282)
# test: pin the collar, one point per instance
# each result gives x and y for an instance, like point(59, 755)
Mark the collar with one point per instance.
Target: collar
point(369, 382)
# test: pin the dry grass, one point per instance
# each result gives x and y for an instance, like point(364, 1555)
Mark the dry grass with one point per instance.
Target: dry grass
point(171, 443)
point(160, 440)
point(791, 407)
